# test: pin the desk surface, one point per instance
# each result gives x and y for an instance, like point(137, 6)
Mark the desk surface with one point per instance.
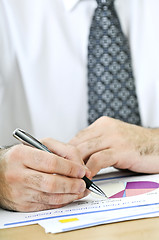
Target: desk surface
point(144, 229)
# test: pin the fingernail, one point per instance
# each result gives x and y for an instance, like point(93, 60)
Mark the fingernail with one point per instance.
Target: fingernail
point(81, 172)
point(88, 172)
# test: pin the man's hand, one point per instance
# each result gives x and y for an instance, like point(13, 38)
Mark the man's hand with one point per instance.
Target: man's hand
point(33, 180)
point(109, 142)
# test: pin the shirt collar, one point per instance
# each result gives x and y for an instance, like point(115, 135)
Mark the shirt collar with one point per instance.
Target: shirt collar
point(70, 4)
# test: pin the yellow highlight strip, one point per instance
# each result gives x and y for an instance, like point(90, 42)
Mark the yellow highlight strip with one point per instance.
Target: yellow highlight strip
point(68, 220)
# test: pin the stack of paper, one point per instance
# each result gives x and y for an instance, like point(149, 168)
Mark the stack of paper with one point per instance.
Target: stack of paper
point(129, 197)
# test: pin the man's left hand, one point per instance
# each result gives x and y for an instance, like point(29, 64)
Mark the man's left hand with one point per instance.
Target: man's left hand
point(109, 142)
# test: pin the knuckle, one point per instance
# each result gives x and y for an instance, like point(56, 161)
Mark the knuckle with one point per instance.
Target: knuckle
point(65, 187)
point(74, 151)
point(73, 187)
point(14, 153)
point(12, 157)
point(50, 164)
point(102, 119)
point(71, 170)
point(76, 186)
point(50, 186)
point(11, 176)
point(74, 154)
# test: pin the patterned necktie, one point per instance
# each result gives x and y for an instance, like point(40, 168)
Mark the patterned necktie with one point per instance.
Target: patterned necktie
point(111, 87)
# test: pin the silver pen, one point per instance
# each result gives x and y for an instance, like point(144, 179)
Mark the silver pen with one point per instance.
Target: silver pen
point(29, 140)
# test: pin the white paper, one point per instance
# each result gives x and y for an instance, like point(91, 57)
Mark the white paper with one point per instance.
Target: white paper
point(94, 210)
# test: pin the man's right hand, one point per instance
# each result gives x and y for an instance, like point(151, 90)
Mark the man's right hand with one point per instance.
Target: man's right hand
point(33, 180)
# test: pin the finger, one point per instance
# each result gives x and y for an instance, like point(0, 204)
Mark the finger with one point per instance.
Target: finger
point(45, 162)
point(99, 160)
point(31, 195)
point(64, 150)
point(84, 135)
point(35, 196)
point(34, 207)
point(94, 145)
point(52, 183)
point(42, 201)
point(54, 199)
point(93, 131)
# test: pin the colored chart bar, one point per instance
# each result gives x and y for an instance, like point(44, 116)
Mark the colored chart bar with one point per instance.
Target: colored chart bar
point(134, 189)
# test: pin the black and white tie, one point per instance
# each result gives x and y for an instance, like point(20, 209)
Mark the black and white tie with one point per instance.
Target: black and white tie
point(111, 87)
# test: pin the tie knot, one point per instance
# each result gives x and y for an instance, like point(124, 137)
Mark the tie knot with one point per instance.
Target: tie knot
point(105, 2)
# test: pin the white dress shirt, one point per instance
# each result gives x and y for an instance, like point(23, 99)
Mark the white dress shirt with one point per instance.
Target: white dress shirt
point(43, 64)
